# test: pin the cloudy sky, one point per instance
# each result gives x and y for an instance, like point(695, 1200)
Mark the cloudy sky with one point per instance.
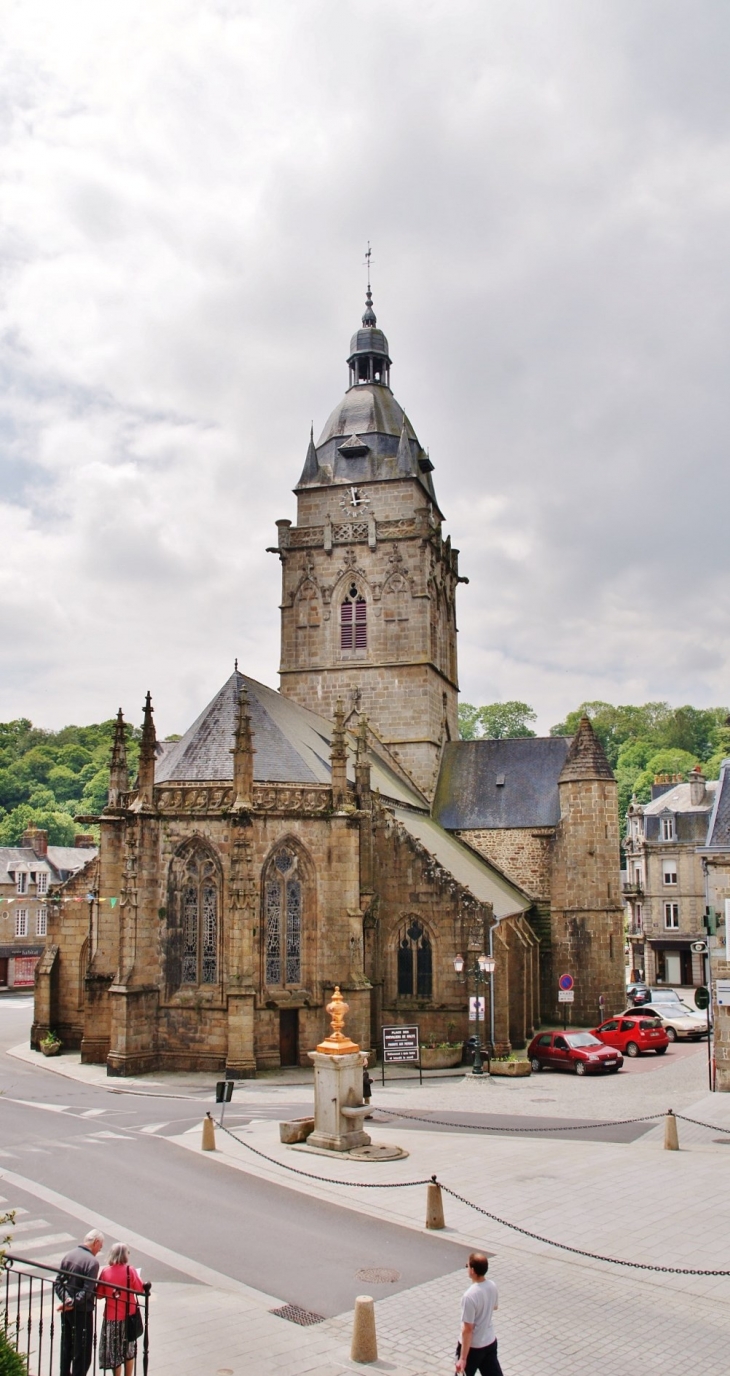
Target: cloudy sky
point(188, 188)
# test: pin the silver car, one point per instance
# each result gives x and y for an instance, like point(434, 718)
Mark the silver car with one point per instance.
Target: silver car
point(679, 1022)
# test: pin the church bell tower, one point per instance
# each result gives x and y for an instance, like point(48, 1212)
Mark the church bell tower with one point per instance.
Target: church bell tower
point(368, 577)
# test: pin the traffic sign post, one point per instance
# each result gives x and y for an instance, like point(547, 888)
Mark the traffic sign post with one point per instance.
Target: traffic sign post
point(565, 995)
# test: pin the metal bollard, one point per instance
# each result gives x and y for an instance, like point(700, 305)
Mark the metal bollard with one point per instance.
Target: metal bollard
point(208, 1133)
point(364, 1346)
point(434, 1205)
point(671, 1137)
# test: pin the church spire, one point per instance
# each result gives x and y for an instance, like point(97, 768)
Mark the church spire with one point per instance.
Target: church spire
point(369, 359)
point(118, 769)
point(311, 463)
point(243, 753)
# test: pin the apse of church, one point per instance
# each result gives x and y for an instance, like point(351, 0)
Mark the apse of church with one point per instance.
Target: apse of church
point(368, 577)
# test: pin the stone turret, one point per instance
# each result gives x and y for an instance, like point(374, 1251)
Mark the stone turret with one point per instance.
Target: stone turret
point(118, 767)
point(243, 753)
point(586, 903)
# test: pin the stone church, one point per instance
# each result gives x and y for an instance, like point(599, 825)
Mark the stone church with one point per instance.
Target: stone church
point(337, 831)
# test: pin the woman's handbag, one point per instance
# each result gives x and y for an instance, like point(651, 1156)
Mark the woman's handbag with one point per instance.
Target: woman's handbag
point(134, 1321)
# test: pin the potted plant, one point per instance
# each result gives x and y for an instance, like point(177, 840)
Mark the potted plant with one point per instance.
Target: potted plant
point(440, 1055)
point(51, 1044)
point(509, 1065)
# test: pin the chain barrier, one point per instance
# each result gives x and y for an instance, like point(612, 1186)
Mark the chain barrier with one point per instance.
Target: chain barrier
point(567, 1127)
point(324, 1179)
point(712, 1126)
point(579, 1251)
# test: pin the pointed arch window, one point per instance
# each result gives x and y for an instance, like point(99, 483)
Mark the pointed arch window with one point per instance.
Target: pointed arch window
point(200, 903)
point(415, 961)
point(354, 621)
point(283, 918)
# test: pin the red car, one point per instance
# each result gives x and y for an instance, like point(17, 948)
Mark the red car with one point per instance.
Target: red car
point(634, 1034)
point(578, 1051)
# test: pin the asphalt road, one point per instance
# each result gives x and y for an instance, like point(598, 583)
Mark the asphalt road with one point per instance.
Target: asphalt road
point(102, 1152)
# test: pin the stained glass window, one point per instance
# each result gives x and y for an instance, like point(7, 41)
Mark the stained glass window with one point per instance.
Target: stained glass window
point(283, 916)
point(199, 920)
point(415, 962)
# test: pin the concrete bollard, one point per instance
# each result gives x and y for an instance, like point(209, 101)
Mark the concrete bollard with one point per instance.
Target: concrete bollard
point(208, 1133)
point(434, 1205)
point(364, 1346)
point(671, 1138)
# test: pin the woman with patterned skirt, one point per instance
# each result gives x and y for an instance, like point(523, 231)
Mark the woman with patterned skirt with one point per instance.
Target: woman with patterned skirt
point(116, 1281)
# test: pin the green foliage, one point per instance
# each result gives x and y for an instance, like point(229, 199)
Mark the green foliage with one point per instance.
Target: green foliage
point(496, 721)
point(699, 732)
point(12, 1363)
point(48, 777)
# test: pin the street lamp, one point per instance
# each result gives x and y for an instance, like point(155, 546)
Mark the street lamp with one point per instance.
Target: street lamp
point(481, 970)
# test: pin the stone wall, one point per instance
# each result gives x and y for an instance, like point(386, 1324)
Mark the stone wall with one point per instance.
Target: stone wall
point(61, 1003)
point(524, 855)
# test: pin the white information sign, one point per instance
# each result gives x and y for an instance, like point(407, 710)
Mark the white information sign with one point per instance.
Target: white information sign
point(566, 995)
point(477, 1008)
point(722, 991)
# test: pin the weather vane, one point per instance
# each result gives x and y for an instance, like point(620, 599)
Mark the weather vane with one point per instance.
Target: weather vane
point(368, 257)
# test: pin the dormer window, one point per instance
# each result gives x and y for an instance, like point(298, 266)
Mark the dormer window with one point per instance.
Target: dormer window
point(42, 882)
point(354, 621)
point(668, 832)
point(21, 881)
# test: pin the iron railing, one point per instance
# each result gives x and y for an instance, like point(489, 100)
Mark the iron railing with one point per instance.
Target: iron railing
point(31, 1319)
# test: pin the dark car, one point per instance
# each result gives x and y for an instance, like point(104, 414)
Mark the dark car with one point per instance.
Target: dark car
point(582, 1052)
point(640, 994)
point(634, 1034)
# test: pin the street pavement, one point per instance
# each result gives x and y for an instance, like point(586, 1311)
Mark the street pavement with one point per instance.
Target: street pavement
point(627, 1199)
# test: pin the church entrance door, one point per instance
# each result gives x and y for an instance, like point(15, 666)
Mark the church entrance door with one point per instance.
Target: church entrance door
point(289, 1036)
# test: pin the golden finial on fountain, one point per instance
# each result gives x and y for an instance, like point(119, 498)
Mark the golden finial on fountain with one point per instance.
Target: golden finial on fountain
point(337, 1044)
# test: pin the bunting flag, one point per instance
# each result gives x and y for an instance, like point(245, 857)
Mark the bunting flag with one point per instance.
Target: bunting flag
point(25, 898)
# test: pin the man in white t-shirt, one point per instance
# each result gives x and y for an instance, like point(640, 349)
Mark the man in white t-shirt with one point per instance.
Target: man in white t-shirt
point(477, 1350)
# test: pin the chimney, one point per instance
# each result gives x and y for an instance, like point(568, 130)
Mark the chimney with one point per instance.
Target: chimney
point(81, 840)
point(662, 784)
point(697, 790)
point(35, 839)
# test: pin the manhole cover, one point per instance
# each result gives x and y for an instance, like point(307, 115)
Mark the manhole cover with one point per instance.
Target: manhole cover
point(378, 1275)
point(379, 1153)
point(295, 1314)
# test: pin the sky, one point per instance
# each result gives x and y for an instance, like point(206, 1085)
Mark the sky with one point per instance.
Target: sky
point(187, 191)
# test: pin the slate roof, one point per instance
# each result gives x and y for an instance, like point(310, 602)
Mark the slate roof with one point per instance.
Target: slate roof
point(718, 831)
point(370, 411)
point(477, 875)
point(469, 796)
point(62, 861)
point(679, 799)
point(292, 745)
point(586, 757)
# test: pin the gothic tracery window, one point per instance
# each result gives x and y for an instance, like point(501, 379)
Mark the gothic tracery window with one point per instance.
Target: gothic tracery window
point(199, 892)
point(308, 621)
point(415, 961)
point(354, 621)
point(283, 919)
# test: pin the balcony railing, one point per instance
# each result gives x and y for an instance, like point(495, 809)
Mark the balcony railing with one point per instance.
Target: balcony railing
point(633, 887)
point(31, 1322)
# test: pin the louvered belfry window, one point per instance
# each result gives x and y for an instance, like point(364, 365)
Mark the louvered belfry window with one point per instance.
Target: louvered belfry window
point(283, 914)
point(200, 920)
point(354, 621)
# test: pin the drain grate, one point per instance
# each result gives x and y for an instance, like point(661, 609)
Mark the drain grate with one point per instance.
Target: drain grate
point(295, 1314)
point(378, 1275)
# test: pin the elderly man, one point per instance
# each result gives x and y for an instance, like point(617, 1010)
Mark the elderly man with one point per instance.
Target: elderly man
point(76, 1288)
point(477, 1350)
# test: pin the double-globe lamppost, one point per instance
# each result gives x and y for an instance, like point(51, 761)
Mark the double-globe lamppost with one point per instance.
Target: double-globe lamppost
point(480, 972)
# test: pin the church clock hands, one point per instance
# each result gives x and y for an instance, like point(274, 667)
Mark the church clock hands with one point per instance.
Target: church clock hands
point(354, 500)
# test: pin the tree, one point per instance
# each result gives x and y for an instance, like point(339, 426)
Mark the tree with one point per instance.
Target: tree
point(497, 720)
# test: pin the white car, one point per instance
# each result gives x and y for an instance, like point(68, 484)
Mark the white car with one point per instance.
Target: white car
point(680, 1022)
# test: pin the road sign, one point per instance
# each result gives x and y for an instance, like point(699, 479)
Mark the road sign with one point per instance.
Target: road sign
point(477, 1008)
point(699, 947)
point(722, 990)
point(702, 997)
point(566, 995)
point(566, 982)
point(400, 1045)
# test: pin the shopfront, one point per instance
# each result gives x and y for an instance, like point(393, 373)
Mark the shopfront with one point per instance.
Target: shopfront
point(17, 966)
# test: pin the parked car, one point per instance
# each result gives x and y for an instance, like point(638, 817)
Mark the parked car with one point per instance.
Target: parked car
point(679, 1021)
point(578, 1051)
point(633, 1033)
point(646, 993)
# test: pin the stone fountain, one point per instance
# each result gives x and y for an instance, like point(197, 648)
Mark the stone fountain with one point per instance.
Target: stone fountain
point(338, 1103)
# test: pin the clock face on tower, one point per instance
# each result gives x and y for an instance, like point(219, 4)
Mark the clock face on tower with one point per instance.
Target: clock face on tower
point(354, 500)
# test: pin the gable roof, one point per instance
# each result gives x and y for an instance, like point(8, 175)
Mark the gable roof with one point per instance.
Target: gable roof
point(468, 868)
point(292, 745)
point(469, 795)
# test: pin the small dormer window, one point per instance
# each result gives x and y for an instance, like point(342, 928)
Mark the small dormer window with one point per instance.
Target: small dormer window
point(668, 832)
point(42, 883)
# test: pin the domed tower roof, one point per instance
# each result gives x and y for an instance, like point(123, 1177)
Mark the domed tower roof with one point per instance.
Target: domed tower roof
point(368, 436)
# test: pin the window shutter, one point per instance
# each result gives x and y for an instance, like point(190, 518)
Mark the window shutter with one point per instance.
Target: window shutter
point(361, 624)
point(346, 640)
